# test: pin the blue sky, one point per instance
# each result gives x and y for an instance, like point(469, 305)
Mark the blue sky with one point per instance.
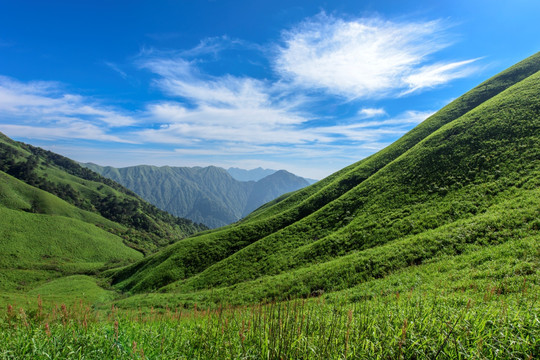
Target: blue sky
point(307, 86)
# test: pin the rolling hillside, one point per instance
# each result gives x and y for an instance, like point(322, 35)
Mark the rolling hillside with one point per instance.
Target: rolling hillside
point(142, 226)
point(42, 237)
point(207, 195)
point(464, 184)
point(58, 219)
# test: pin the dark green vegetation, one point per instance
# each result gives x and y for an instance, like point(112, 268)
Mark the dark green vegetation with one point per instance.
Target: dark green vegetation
point(429, 248)
point(206, 195)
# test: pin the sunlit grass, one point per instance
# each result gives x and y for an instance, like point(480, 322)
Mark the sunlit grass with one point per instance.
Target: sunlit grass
point(412, 325)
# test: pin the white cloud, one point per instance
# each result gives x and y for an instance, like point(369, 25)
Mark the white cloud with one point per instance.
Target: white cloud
point(371, 112)
point(74, 130)
point(245, 114)
point(366, 57)
point(182, 78)
point(438, 74)
point(255, 125)
point(44, 101)
point(354, 58)
point(225, 108)
point(43, 110)
point(116, 69)
point(376, 131)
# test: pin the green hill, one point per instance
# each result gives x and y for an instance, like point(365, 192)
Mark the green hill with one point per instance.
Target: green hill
point(465, 181)
point(143, 226)
point(42, 237)
point(208, 195)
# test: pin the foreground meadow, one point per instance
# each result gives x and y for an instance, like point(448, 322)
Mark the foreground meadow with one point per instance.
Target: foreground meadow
point(494, 323)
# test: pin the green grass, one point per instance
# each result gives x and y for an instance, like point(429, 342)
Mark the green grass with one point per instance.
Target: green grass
point(70, 289)
point(36, 240)
point(37, 248)
point(509, 262)
point(142, 225)
point(482, 305)
point(59, 240)
point(16, 195)
point(442, 324)
point(43, 237)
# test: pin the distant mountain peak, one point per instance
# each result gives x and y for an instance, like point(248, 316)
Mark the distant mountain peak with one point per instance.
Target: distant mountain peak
point(250, 175)
point(210, 195)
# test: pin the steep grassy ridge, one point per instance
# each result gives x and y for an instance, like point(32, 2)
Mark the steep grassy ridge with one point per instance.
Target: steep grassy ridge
point(465, 178)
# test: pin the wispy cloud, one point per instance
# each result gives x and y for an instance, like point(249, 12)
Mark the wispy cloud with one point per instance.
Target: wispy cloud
point(43, 109)
point(116, 69)
point(366, 57)
point(213, 46)
point(437, 74)
point(73, 130)
point(223, 108)
point(213, 114)
point(371, 112)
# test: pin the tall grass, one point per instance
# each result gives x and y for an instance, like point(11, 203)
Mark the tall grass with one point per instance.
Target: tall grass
point(410, 325)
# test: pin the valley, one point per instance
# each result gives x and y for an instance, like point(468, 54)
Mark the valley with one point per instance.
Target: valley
point(429, 248)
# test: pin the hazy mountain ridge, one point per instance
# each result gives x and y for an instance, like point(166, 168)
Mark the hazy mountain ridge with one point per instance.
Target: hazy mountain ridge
point(208, 195)
point(249, 175)
point(256, 174)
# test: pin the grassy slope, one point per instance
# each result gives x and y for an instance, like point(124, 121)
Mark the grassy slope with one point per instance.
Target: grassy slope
point(60, 240)
point(29, 240)
point(45, 238)
point(461, 170)
point(72, 288)
point(478, 152)
point(16, 195)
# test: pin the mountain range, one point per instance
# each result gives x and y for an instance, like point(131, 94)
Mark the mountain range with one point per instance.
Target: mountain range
point(464, 184)
point(249, 175)
point(209, 195)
